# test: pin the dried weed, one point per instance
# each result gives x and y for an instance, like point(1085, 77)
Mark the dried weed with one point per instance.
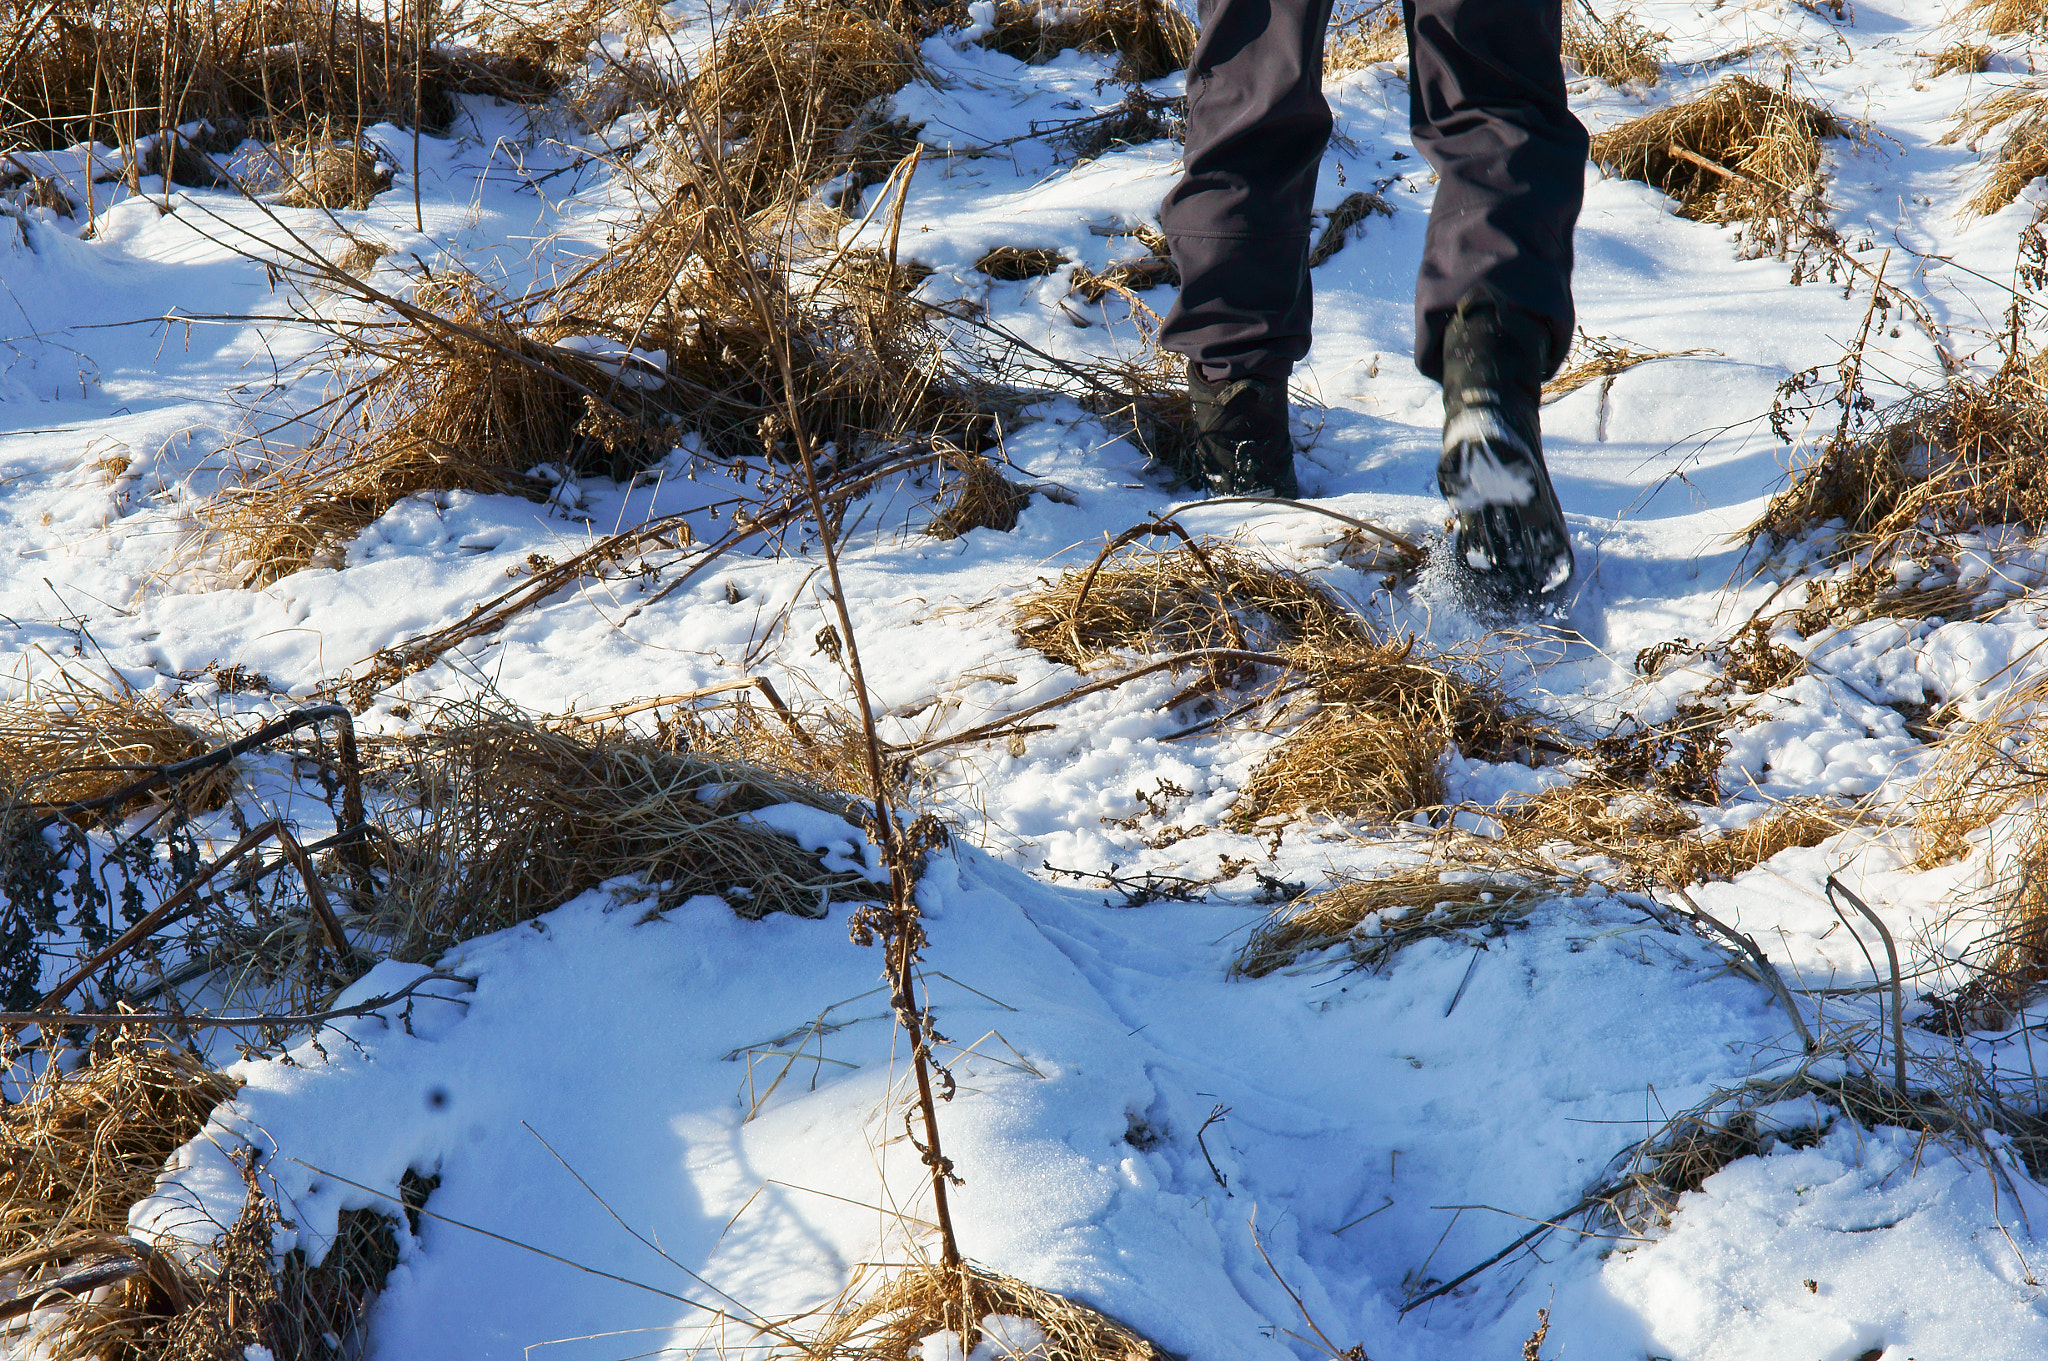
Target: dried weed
point(1151, 38)
point(926, 1299)
point(1365, 33)
point(1617, 50)
point(75, 741)
point(1742, 152)
point(2022, 156)
point(1377, 917)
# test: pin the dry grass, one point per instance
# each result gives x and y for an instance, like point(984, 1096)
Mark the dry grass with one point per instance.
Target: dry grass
point(1014, 264)
point(74, 741)
point(1365, 33)
point(119, 70)
point(505, 818)
point(1741, 152)
point(1377, 714)
point(1379, 916)
point(1596, 358)
point(462, 401)
point(324, 174)
point(1353, 210)
point(1958, 458)
point(1151, 38)
point(1145, 601)
point(1617, 50)
point(1986, 778)
point(81, 1147)
point(2022, 155)
point(982, 498)
point(461, 388)
point(1385, 715)
point(1656, 838)
point(2010, 18)
point(1968, 59)
point(926, 1298)
point(788, 88)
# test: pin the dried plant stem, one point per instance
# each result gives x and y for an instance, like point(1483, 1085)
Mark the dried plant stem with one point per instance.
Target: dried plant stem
point(1891, 952)
point(903, 930)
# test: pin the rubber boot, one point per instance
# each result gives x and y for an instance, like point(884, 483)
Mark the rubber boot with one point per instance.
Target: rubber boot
point(1510, 533)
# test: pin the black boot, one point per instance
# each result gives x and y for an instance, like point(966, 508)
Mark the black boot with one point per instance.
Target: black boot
point(1511, 534)
point(1241, 442)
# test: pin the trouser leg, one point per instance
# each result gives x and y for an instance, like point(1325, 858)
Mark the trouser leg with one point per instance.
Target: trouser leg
point(1487, 108)
point(1238, 220)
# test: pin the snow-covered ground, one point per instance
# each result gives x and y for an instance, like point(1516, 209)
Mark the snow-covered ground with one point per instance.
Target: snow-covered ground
point(611, 1079)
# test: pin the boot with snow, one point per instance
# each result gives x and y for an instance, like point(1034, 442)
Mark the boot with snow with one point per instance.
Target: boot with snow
point(1510, 534)
point(1241, 443)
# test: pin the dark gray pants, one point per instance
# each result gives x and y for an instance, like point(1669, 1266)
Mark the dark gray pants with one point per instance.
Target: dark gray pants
point(1487, 108)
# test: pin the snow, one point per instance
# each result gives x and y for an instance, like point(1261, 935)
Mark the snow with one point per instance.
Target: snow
point(708, 1110)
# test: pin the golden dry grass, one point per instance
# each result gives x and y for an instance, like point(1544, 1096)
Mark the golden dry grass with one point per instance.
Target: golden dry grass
point(118, 70)
point(1963, 58)
point(1958, 458)
point(981, 498)
point(1374, 716)
point(2009, 18)
point(1365, 33)
point(80, 1148)
point(789, 87)
point(1380, 915)
point(1656, 837)
point(2022, 157)
point(73, 741)
point(504, 818)
point(1151, 38)
point(1741, 152)
point(926, 1298)
point(328, 174)
point(1618, 50)
point(1987, 779)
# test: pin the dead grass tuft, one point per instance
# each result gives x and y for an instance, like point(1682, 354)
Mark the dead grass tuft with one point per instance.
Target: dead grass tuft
point(926, 1299)
point(2009, 18)
point(1656, 838)
point(74, 741)
point(1987, 778)
point(1596, 359)
point(1379, 916)
point(1741, 152)
point(1151, 38)
point(1014, 264)
point(982, 499)
point(325, 174)
point(1385, 715)
point(1375, 715)
point(1365, 33)
point(2022, 155)
point(1337, 226)
point(1969, 59)
point(1215, 595)
point(506, 818)
point(466, 400)
point(120, 70)
point(789, 88)
point(82, 1145)
point(1618, 50)
point(1960, 457)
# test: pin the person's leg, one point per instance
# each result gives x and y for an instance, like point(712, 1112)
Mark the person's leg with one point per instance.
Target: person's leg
point(1493, 302)
point(1487, 108)
point(1238, 226)
point(1238, 221)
